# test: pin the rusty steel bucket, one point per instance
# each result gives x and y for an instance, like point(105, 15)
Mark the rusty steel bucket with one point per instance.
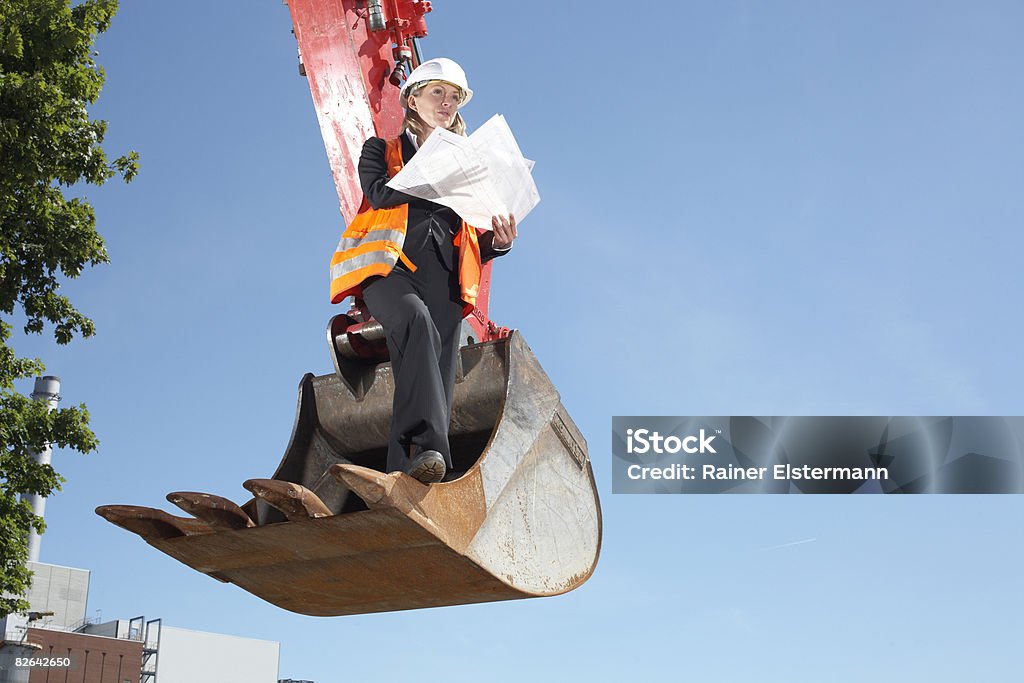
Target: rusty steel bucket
point(330, 534)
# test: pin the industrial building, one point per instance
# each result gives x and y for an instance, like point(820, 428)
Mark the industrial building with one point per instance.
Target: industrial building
point(55, 642)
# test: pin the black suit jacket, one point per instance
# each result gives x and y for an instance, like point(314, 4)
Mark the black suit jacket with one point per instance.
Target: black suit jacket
point(430, 225)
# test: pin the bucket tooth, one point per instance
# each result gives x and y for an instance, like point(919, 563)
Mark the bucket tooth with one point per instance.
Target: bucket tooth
point(375, 488)
point(425, 505)
point(295, 501)
point(218, 512)
point(152, 524)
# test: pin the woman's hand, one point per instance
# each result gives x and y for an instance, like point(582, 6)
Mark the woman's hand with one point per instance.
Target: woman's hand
point(504, 231)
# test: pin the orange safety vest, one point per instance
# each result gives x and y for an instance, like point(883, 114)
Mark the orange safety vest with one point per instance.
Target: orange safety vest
point(372, 245)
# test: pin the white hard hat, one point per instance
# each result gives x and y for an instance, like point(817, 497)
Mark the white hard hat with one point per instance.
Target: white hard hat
point(439, 69)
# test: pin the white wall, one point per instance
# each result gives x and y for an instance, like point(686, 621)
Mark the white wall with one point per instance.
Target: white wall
point(61, 590)
point(197, 657)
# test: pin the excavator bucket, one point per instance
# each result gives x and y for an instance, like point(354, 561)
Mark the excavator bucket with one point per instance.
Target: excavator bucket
point(331, 534)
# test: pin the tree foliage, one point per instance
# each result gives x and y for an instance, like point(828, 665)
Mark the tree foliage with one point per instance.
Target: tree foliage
point(48, 144)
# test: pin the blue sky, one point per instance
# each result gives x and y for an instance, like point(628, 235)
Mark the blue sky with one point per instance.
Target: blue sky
point(747, 208)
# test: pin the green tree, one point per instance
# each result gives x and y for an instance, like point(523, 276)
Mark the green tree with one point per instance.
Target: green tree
point(48, 143)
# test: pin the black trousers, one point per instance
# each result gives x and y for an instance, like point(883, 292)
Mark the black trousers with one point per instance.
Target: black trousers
point(421, 314)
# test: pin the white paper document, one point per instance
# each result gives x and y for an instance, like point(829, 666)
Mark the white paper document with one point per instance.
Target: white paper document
point(478, 177)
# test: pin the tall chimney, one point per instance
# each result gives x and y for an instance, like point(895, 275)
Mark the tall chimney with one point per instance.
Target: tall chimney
point(46, 389)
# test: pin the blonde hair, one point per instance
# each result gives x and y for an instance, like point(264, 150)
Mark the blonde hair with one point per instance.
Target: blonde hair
point(413, 122)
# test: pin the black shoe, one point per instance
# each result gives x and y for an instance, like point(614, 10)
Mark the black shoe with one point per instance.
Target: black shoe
point(428, 467)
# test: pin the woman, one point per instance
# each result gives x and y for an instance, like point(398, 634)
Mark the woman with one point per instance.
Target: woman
point(416, 265)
